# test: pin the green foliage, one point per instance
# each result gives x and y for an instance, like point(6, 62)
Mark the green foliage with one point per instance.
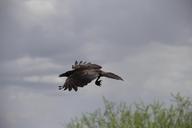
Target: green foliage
point(156, 115)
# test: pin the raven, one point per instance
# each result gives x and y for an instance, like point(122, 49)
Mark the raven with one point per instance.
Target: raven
point(83, 73)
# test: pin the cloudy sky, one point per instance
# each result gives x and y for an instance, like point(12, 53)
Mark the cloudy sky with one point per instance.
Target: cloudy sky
point(146, 42)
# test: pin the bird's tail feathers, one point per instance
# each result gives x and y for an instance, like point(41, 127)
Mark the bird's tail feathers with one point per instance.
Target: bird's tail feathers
point(111, 75)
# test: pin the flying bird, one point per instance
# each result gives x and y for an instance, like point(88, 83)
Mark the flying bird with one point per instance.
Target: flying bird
point(83, 73)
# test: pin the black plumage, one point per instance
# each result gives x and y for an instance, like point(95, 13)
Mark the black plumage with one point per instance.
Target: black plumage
point(83, 73)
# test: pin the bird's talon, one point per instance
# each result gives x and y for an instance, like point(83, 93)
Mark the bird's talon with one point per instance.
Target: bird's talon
point(98, 82)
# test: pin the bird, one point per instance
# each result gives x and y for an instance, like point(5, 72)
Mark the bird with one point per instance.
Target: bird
point(83, 73)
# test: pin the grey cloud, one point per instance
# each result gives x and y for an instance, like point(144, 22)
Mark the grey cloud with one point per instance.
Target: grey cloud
point(133, 22)
point(147, 42)
point(128, 23)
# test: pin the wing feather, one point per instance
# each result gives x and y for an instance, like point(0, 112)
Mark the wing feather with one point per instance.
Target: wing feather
point(85, 65)
point(80, 79)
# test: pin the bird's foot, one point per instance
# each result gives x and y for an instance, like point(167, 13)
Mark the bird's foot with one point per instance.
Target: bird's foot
point(98, 82)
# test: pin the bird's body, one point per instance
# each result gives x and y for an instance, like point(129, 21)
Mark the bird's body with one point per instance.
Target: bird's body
point(84, 73)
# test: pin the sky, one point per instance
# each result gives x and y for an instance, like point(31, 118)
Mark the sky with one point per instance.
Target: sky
point(147, 42)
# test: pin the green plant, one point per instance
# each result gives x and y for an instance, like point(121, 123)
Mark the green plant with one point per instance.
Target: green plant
point(155, 115)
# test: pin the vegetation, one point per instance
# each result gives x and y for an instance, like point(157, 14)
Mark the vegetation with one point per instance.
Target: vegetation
point(155, 115)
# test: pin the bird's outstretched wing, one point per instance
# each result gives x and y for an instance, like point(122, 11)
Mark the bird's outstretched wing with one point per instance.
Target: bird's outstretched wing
point(85, 65)
point(79, 79)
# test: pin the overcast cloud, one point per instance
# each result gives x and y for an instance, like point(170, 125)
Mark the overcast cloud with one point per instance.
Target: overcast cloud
point(147, 42)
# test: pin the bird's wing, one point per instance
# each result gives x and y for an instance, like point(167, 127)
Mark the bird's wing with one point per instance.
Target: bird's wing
point(80, 79)
point(85, 65)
